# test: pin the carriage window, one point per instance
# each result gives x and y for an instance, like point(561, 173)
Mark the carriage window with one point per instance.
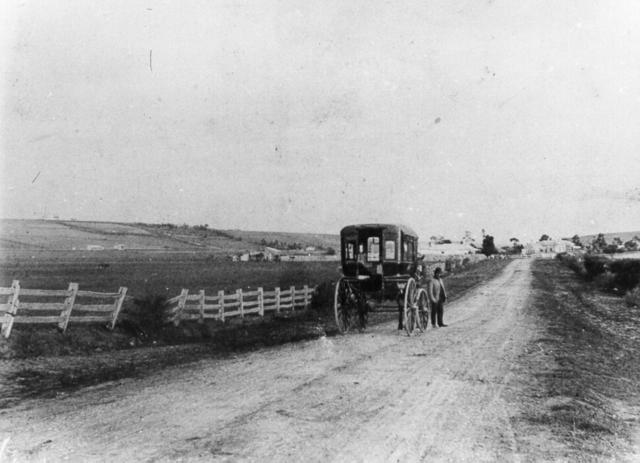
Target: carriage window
point(373, 249)
point(408, 250)
point(389, 249)
point(350, 251)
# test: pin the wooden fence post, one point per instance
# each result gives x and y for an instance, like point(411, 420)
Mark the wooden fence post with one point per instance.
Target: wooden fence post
point(240, 302)
point(221, 304)
point(181, 303)
point(278, 300)
point(201, 320)
point(68, 306)
point(261, 301)
point(306, 296)
point(13, 308)
point(292, 290)
point(118, 306)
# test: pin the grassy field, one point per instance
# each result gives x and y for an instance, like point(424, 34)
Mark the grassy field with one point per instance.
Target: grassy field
point(147, 273)
point(586, 364)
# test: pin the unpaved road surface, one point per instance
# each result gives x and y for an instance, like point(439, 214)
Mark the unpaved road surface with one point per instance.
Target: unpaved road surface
point(442, 395)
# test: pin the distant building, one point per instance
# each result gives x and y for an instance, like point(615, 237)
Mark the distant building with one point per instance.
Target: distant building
point(448, 249)
point(272, 254)
point(119, 247)
point(550, 247)
point(95, 247)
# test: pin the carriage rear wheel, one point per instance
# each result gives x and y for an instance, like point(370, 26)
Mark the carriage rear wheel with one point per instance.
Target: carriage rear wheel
point(410, 314)
point(349, 307)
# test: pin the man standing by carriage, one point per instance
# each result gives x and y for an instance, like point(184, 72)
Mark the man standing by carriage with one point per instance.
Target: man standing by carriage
point(437, 297)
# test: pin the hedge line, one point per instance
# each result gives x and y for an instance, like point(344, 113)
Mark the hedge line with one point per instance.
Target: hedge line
point(620, 274)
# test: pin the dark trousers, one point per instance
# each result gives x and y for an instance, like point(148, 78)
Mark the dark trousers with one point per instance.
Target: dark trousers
point(437, 310)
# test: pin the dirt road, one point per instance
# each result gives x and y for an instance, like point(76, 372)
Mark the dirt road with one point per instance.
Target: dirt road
point(378, 396)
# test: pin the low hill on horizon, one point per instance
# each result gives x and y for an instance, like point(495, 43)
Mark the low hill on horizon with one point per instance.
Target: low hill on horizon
point(624, 236)
point(57, 235)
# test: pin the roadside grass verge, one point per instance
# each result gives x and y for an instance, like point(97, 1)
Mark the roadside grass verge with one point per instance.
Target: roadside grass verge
point(459, 281)
point(54, 375)
point(585, 365)
point(44, 363)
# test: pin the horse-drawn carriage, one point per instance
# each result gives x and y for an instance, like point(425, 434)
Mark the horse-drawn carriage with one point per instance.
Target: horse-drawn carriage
point(379, 263)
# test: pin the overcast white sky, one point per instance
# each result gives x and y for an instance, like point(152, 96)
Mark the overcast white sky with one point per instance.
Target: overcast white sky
point(521, 118)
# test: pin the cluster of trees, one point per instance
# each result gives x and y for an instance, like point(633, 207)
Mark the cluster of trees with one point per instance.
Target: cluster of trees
point(599, 244)
point(489, 247)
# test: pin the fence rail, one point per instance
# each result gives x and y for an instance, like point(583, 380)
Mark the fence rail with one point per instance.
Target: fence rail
point(31, 306)
point(58, 306)
point(199, 306)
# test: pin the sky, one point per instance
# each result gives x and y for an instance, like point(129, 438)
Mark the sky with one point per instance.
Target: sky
point(519, 118)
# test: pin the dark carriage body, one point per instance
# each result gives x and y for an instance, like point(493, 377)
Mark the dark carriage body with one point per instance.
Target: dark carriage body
point(379, 262)
point(378, 256)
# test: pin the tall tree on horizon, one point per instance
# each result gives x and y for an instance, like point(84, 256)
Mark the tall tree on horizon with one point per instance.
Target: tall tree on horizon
point(488, 246)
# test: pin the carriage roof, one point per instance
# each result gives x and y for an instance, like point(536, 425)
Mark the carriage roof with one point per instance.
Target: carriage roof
point(394, 228)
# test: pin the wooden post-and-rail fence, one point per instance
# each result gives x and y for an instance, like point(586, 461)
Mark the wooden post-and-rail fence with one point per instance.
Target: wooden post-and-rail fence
point(198, 306)
point(58, 306)
point(29, 306)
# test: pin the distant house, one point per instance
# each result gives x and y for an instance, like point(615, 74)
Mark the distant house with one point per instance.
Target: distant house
point(310, 248)
point(95, 247)
point(253, 256)
point(271, 254)
point(550, 247)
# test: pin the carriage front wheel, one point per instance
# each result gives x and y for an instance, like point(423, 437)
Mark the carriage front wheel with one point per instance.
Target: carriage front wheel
point(349, 307)
point(423, 309)
point(410, 313)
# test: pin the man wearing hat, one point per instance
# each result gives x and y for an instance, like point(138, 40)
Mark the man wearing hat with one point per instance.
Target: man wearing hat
point(437, 298)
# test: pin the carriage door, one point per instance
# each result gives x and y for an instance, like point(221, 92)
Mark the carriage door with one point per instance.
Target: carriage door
point(370, 245)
